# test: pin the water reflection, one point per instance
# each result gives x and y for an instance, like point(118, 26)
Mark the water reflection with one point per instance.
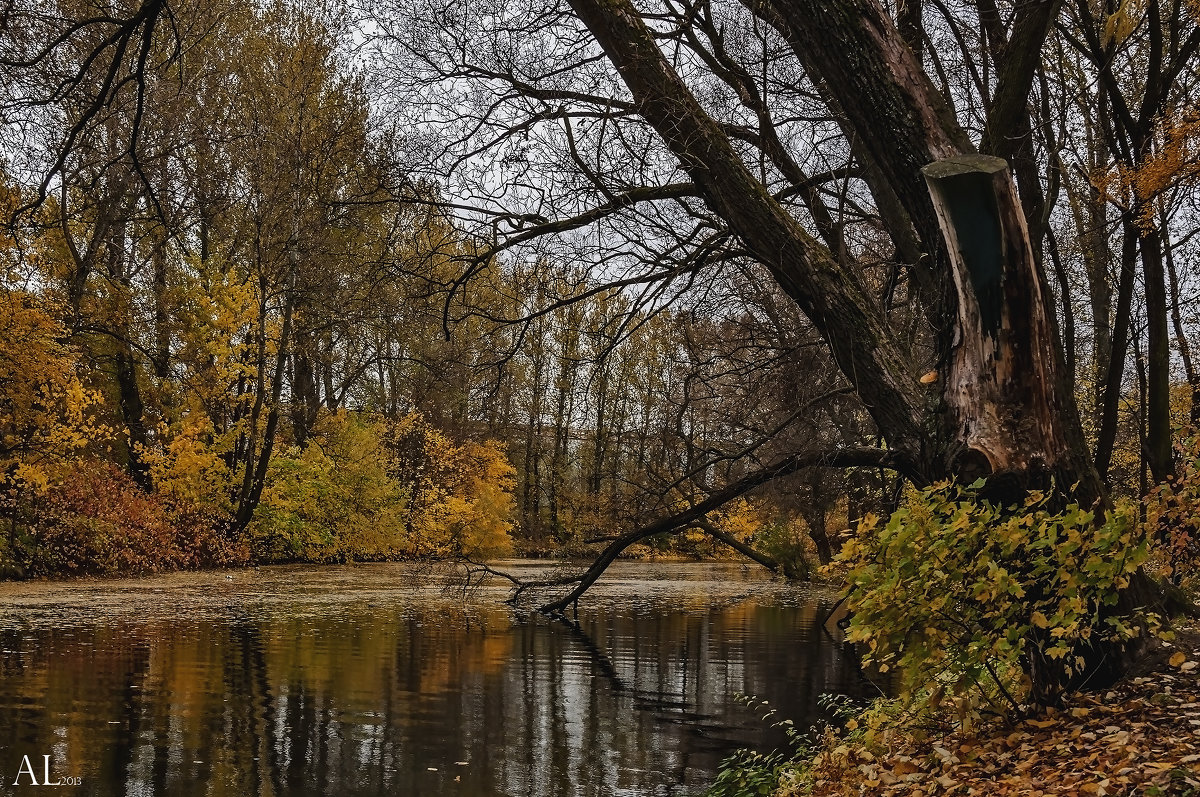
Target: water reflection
point(371, 681)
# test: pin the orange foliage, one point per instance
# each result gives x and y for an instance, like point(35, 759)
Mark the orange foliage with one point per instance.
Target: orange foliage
point(100, 522)
point(1174, 156)
point(1173, 161)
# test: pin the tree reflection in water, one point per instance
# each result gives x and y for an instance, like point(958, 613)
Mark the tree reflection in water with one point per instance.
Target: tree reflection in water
point(339, 682)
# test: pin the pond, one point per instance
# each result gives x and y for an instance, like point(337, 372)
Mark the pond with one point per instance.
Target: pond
point(390, 679)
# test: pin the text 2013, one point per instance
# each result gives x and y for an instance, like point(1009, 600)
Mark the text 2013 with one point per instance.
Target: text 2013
point(27, 775)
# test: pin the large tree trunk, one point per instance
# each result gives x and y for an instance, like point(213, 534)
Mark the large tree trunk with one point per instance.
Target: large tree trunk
point(1005, 410)
point(256, 462)
point(830, 294)
point(893, 105)
point(306, 398)
point(1158, 346)
point(129, 391)
point(1114, 373)
point(1014, 416)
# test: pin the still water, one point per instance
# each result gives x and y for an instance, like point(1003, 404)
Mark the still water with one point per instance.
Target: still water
point(390, 679)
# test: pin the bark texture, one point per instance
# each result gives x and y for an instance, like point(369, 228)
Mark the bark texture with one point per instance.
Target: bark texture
point(830, 295)
point(1002, 382)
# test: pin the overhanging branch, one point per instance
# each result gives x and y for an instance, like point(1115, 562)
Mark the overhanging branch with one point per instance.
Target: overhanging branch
point(840, 458)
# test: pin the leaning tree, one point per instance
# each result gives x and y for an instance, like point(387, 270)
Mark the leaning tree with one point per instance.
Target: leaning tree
point(666, 139)
point(681, 134)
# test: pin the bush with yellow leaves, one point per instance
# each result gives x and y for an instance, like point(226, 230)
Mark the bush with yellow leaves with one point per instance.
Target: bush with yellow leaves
point(46, 419)
point(368, 489)
point(994, 605)
point(460, 494)
point(187, 466)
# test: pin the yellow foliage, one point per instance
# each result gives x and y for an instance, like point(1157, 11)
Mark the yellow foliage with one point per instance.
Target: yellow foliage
point(480, 522)
point(461, 501)
point(45, 417)
point(740, 519)
point(188, 467)
point(216, 316)
point(1172, 517)
point(1122, 22)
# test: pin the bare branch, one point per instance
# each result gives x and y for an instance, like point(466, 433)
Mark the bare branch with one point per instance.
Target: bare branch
point(841, 458)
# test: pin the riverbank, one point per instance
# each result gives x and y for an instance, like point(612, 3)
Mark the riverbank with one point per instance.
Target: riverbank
point(219, 588)
point(249, 569)
point(1141, 738)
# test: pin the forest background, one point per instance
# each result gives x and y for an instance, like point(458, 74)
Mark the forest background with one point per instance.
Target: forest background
point(288, 284)
point(245, 334)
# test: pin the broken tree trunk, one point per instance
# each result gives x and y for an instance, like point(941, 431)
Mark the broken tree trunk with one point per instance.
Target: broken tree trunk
point(1014, 416)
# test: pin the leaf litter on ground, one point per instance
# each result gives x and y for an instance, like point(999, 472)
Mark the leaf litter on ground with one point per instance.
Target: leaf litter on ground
point(1142, 737)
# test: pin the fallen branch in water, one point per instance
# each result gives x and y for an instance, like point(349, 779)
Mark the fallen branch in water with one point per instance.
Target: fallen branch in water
point(692, 517)
point(842, 458)
point(520, 586)
point(544, 584)
point(472, 567)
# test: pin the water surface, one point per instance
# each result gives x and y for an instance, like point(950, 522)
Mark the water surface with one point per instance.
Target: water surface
point(391, 679)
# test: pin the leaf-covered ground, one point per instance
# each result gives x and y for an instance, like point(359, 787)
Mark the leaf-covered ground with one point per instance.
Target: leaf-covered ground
point(1141, 738)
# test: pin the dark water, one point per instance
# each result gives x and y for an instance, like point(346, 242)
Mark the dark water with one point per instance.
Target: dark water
point(387, 679)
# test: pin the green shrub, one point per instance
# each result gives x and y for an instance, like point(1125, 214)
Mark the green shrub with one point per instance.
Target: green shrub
point(994, 605)
point(783, 542)
point(334, 501)
point(748, 773)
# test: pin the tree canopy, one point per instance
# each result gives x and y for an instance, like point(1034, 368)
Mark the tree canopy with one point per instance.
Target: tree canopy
point(420, 278)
